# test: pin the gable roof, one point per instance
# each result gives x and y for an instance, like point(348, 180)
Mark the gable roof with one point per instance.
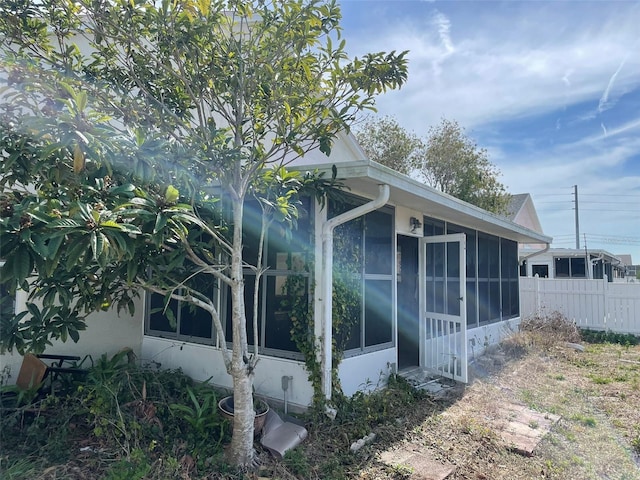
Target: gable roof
point(625, 258)
point(516, 203)
point(522, 211)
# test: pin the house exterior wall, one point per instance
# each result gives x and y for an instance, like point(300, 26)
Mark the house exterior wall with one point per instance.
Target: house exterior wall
point(403, 221)
point(107, 333)
point(528, 217)
point(367, 372)
point(486, 336)
point(205, 363)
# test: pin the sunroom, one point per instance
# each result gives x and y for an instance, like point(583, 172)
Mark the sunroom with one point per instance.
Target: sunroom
point(396, 275)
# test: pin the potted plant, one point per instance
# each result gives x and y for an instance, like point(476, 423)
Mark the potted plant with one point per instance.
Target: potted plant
point(260, 406)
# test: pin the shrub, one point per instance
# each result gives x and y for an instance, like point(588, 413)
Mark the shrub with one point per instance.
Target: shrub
point(600, 336)
point(545, 331)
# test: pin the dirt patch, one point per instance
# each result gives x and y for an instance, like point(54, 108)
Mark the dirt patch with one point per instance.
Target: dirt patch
point(593, 393)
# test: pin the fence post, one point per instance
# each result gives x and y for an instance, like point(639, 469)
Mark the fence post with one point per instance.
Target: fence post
point(536, 289)
point(605, 301)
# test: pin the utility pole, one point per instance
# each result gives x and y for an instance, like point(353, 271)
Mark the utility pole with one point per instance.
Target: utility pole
point(575, 194)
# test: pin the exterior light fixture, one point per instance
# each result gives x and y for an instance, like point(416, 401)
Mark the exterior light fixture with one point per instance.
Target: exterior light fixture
point(415, 224)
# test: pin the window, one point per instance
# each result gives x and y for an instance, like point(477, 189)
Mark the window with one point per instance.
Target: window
point(492, 275)
point(578, 268)
point(488, 278)
point(574, 267)
point(284, 256)
point(471, 271)
point(598, 269)
point(510, 290)
point(562, 268)
point(181, 320)
point(541, 271)
point(363, 289)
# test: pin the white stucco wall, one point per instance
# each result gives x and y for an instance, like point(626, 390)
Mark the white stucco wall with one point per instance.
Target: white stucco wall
point(204, 363)
point(366, 372)
point(106, 333)
point(403, 221)
point(481, 338)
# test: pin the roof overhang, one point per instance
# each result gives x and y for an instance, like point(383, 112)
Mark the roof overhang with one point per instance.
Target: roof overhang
point(363, 177)
point(592, 252)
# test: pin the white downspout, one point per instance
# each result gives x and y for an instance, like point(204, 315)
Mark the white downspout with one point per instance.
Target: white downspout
point(539, 252)
point(327, 279)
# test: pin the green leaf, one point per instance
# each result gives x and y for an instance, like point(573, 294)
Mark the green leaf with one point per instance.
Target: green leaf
point(111, 224)
point(97, 244)
point(132, 271)
point(81, 101)
point(75, 336)
point(64, 223)
point(41, 216)
point(161, 222)
point(21, 263)
point(126, 188)
point(75, 253)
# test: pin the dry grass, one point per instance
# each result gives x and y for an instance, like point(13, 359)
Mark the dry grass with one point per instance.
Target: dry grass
point(596, 393)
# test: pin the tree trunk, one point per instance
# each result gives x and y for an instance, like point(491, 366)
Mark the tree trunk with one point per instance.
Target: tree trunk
point(241, 451)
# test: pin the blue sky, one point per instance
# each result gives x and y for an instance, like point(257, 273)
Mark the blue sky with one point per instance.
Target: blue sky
point(550, 89)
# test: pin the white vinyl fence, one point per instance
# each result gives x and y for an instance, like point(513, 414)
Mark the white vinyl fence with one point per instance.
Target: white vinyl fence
point(594, 304)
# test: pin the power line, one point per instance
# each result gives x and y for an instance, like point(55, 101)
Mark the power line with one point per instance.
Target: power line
point(610, 195)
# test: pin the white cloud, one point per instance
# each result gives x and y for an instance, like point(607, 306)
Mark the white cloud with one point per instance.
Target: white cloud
point(528, 66)
point(488, 65)
point(604, 99)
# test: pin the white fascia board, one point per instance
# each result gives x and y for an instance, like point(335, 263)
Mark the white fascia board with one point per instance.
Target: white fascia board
point(365, 176)
point(572, 252)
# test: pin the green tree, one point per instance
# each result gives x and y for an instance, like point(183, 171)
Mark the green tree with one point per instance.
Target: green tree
point(446, 159)
point(388, 143)
point(454, 164)
point(134, 131)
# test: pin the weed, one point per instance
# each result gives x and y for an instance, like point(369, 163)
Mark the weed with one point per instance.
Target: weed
point(205, 424)
point(529, 398)
point(18, 469)
point(401, 471)
point(597, 336)
point(635, 443)
point(599, 380)
point(547, 331)
point(333, 470)
point(363, 411)
point(136, 468)
point(297, 462)
point(584, 420)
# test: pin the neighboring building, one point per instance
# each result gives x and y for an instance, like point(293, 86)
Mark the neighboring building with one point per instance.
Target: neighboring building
point(631, 270)
point(437, 277)
point(522, 211)
point(573, 263)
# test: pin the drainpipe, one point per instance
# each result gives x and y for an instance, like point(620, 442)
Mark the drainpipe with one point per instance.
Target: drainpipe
point(327, 279)
point(526, 257)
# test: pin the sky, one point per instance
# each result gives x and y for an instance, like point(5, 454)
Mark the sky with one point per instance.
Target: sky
point(550, 89)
